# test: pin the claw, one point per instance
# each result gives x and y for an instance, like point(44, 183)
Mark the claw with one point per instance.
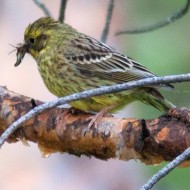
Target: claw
point(95, 120)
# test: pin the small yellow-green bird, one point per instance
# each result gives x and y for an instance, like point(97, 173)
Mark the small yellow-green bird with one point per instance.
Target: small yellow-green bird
point(71, 62)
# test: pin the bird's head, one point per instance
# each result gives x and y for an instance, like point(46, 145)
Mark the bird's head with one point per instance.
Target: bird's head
point(40, 35)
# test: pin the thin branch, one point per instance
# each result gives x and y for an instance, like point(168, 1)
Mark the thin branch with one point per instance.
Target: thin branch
point(42, 7)
point(89, 93)
point(62, 11)
point(168, 168)
point(108, 21)
point(175, 16)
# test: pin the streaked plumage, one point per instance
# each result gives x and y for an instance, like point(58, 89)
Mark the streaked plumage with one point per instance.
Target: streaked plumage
point(70, 62)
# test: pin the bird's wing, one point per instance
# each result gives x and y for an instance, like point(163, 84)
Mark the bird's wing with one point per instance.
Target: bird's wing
point(93, 58)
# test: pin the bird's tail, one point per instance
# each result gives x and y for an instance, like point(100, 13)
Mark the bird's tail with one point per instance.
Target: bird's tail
point(153, 97)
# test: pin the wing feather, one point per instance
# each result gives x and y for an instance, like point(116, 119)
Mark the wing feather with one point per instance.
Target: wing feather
point(93, 58)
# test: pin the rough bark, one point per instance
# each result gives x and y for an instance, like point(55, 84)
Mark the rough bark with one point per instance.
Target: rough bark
point(64, 130)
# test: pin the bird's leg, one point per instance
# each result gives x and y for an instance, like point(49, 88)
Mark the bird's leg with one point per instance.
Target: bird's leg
point(95, 120)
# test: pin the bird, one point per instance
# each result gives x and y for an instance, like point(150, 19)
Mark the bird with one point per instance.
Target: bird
point(70, 62)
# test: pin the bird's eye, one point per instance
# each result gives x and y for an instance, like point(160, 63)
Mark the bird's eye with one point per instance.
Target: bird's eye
point(31, 40)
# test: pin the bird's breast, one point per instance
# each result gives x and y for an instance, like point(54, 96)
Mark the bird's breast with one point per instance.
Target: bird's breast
point(62, 79)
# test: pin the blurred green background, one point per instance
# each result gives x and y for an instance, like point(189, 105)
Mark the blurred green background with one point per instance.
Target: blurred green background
point(164, 51)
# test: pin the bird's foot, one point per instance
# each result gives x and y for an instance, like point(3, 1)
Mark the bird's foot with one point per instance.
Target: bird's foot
point(95, 119)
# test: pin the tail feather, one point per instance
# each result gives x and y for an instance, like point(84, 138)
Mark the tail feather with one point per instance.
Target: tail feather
point(153, 97)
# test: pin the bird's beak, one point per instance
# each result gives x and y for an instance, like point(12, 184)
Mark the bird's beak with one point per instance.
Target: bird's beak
point(21, 50)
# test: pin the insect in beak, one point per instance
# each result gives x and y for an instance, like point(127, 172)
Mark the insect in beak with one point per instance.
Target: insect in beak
point(22, 49)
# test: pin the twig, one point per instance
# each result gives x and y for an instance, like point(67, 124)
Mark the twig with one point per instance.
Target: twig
point(93, 92)
point(108, 21)
point(42, 7)
point(175, 16)
point(164, 171)
point(62, 11)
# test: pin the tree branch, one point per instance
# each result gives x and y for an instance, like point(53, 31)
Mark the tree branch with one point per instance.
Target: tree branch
point(61, 130)
point(175, 16)
point(62, 11)
point(89, 93)
point(42, 7)
point(168, 168)
point(108, 21)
